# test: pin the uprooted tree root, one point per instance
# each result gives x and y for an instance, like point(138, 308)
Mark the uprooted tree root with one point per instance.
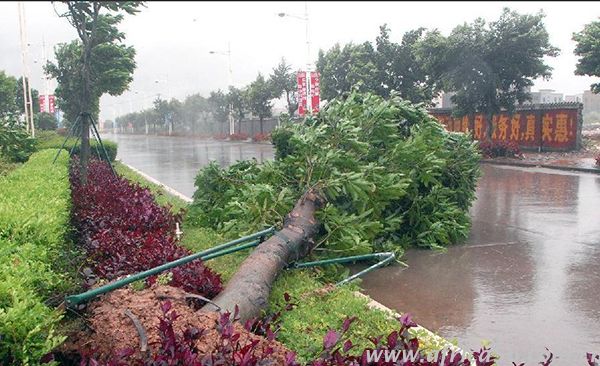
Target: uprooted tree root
point(126, 318)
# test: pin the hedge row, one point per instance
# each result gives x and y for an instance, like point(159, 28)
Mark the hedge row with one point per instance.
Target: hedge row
point(52, 140)
point(124, 231)
point(34, 222)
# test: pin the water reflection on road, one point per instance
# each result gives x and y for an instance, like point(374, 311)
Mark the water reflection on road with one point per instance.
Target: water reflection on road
point(527, 278)
point(175, 161)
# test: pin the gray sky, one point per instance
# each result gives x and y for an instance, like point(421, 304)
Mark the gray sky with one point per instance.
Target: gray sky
point(173, 39)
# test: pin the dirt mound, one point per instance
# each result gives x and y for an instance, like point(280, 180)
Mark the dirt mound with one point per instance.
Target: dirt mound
point(113, 330)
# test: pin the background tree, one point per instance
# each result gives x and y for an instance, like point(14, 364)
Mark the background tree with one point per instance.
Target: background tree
point(8, 106)
point(195, 111)
point(341, 68)
point(490, 67)
point(238, 100)
point(283, 81)
point(260, 94)
point(95, 65)
point(45, 121)
point(588, 49)
point(401, 67)
point(167, 112)
point(381, 68)
point(219, 106)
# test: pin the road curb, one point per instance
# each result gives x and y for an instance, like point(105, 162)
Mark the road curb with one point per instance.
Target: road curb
point(158, 183)
point(548, 166)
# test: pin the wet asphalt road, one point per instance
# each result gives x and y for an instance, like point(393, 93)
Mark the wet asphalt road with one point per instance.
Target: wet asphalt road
point(527, 278)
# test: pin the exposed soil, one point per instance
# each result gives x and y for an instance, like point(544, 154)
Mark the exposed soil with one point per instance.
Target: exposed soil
point(112, 330)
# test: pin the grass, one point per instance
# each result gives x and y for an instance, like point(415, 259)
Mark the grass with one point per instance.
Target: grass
point(319, 307)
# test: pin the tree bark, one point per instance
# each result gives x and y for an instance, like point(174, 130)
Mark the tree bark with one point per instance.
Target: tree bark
point(250, 286)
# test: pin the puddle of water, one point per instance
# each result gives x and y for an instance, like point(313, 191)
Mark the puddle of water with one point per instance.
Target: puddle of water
point(527, 278)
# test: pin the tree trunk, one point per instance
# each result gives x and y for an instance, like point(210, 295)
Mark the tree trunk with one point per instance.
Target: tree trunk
point(261, 126)
point(250, 286)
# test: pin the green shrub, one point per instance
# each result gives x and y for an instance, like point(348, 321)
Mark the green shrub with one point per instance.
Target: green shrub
point(15, 144)
point(52, 140)
point(34, 224)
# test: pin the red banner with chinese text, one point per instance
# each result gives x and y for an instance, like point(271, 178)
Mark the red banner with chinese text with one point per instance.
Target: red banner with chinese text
point(51, 102)
point(315, 91)
point(302, 102)
point(555, 129)
point(42, 101)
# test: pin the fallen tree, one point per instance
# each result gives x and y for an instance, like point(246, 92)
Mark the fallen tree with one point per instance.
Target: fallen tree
point(365, 174)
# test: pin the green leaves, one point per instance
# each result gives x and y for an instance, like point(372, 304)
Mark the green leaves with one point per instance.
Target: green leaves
point(588, 49)
point(392, 177)
point(34, 221)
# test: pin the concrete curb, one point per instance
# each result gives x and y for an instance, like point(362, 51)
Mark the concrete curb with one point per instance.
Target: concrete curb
point(534, 165)
point(158, 183)
point(418, 329)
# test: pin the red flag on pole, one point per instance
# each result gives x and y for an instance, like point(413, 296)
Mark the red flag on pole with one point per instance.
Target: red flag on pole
point(302, 97)
point(315, 91)
point(42, 101)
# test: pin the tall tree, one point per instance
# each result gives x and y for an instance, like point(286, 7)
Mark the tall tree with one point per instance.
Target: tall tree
point(490, 67)
point(260, 94)
point(98, 62)
point(238, 101)
point(342, 68)
point(380, 68)
point(588, 49)
point(283, 81)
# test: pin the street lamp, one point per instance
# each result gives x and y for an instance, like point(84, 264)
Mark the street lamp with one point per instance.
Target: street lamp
point(228, 54)
point(308, 63)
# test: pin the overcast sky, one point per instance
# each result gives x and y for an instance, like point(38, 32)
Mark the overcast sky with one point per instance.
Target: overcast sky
point(173, 39)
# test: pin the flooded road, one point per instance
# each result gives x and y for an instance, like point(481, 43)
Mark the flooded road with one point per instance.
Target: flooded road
point(527, 278)
point(175, 161)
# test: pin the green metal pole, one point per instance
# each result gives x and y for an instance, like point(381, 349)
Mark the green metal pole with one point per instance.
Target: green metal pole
point(382, 263)
point(231, 250)
point(208, 254)
point(355, 258)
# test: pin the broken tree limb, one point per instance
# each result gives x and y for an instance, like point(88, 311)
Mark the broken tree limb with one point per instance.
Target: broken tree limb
point(250, 286)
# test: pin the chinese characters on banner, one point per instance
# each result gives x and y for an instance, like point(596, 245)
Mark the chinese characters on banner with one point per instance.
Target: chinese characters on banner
point(547, 128)
point(302, 102)
point(47, 108)
point(315, 91)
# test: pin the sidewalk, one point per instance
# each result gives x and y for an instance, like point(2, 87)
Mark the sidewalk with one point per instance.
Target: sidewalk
point(575, 161)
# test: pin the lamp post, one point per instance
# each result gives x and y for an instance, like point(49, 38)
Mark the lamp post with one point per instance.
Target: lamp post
point(308, 63)
point(228, 54)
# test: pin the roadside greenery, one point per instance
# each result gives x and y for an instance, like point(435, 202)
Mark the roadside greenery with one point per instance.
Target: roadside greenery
point(392, 177)
point(34, 257)
point(318, 308)
point(52, 140)
point(15, 144)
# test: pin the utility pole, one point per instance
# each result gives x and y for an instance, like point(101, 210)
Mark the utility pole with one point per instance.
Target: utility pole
point(27, 99)
point(308, 67)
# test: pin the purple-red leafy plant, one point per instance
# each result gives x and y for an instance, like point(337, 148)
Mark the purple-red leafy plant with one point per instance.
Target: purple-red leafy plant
point(124, 231)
